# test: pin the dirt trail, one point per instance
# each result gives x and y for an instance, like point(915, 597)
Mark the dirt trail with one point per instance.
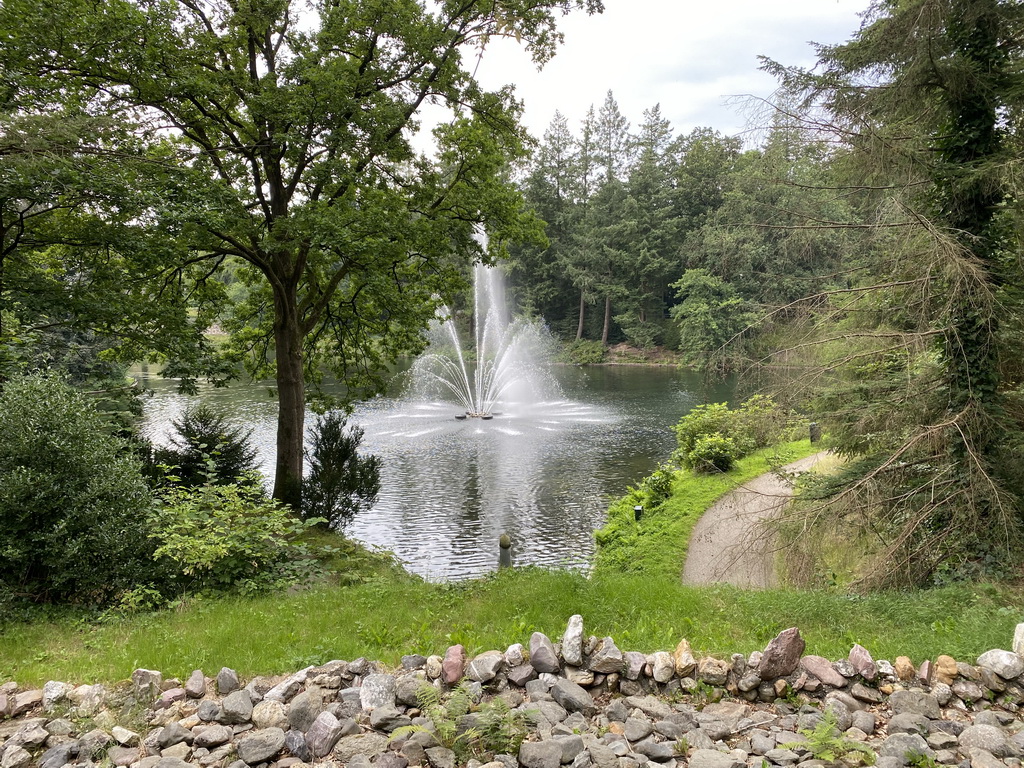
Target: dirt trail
point(728, 544)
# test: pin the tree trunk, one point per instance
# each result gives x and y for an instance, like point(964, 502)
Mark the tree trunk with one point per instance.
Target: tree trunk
point(291, 399)
point(583, 306)
point(607, 319)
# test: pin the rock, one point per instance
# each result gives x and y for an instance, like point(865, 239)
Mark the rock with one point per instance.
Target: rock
point(227, 681)
point(572, 746)
point(439, 757)
point(486, 666)
point(259, 746)
point(909, 722)
point(18, 757)
point(434, 667)
point(712, 671)
point(1018, 640)
point(392, 760)
point(663, 667)
point(323, 734)
point(287, 688)
point(24, 702)
point(637, 728)
point(572, 642)
point(540, 754)
point(369, 744)
point(572, 697)
point(862, 662)
point(945, 670)
point(303, 710)
point(659, 751)
point(388, 719)
point(981, 758)
point(904, 668)
point(54, 692)
point(58, 756)
point(634, 664)
point(542, 654)
point(174, 733)
point(169, 697)
point(916, 702)
point(968, 691)
point(1006, 664)
point(295, 743)
point(236, 708)
point(515, 655)
point(208, 736)
point(378, 690)
point(782, 655)
point(269, 714)
point(899, 744)
point(863, 693)
point(413, 661)
point(607, 658)
point(712, 758)
point(987, 737)
point(454, 664)
point(208, 711)
point(146, 684)
point(195, 686)
point(124, 737)
point(182, 751)
point(821, 668)
point(522, 674)
point(683, 658)
point(781, 756)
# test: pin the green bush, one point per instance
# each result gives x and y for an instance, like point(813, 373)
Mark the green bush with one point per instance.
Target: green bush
point(757, 423)
point(583, 352)
point(207, 447)
point(73, 504)
point(223, 537)
point(340, 482)
point(714, 453)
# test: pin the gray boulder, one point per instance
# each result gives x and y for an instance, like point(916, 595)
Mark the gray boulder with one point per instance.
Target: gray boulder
point(260, 746)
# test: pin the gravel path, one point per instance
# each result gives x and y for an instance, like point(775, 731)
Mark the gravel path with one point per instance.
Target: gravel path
point(728, 544)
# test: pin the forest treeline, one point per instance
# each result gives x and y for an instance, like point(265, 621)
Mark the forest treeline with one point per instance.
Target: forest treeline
point(681, 241)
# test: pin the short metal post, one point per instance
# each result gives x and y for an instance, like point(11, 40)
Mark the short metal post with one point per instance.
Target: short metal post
point(638, 512)
point(505, 551)
point(815, 432)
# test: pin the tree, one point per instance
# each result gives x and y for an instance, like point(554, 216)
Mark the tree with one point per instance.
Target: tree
point(926, 96)
point(288, 140)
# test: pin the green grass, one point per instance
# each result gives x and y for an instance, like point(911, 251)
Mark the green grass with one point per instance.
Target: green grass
point(385, 618)
point(658, 544)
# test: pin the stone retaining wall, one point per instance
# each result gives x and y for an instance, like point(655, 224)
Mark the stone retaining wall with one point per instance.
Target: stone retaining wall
point(590, 705)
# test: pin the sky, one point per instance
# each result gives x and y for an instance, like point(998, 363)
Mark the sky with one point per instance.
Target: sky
point(697, 59)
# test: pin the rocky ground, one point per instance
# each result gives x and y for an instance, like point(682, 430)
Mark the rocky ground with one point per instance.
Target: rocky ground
point(587, 704)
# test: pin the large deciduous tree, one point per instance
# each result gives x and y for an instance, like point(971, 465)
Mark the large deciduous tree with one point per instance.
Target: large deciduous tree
point(287, 130)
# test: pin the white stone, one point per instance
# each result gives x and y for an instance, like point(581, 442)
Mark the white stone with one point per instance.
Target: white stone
point(572, 641)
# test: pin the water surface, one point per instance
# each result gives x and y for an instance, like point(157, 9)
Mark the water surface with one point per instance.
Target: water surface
point(543, 472)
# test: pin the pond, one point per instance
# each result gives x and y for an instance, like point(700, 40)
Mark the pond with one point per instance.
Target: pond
point(449, 488)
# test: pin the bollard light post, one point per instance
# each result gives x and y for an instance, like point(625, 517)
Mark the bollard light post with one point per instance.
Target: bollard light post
point(505, 551)
point(815, 432)
point(638, 512)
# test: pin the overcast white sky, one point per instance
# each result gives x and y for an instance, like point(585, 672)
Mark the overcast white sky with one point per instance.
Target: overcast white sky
point(690, 56)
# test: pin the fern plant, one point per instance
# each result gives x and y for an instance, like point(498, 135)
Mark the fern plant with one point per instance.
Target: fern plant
point(497, 727)
point(825, 742)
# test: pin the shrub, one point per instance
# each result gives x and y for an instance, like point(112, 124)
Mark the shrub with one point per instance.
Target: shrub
point(340, 482)
point(757, 423)
point(219, 537)
point(714, 453)
point(73, 504)
point(583, 352)
point(206, 446)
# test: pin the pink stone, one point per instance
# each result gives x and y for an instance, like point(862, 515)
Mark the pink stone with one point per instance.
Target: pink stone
point(453, 665)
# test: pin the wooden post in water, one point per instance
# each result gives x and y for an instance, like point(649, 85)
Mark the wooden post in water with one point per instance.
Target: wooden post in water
point(505, 551)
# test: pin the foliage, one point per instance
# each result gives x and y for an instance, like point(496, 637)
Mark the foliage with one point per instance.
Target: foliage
point(583, 352)
point(914, 384)
point(290, 152)
point(710, 314)
point(825, 742)
point(73, 503)
point(713, 453)
point(206, 446)
point(340, 481)
point(715, 430)
point(657, 545)
point(496, 727)
point(229, 537)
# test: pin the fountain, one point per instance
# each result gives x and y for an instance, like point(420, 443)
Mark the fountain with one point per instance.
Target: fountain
point(505, 370)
